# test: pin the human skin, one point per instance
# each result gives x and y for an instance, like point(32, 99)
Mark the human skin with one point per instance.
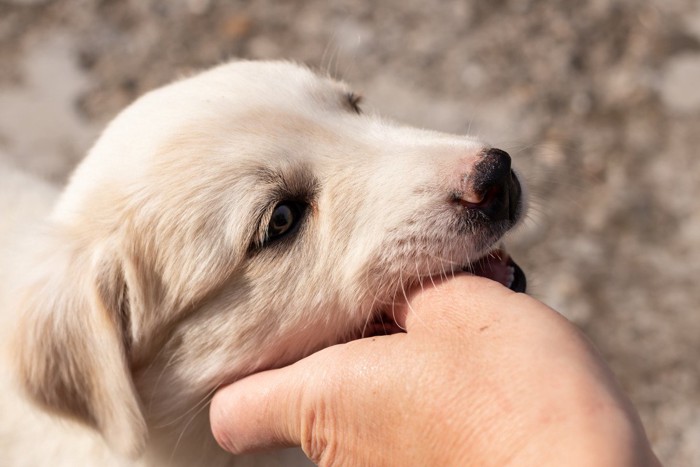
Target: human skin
point(483, 376)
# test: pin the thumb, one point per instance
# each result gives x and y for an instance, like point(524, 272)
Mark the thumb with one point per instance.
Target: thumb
point(258, 412)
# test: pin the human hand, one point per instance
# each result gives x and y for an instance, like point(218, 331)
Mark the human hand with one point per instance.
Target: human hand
point(483, 376)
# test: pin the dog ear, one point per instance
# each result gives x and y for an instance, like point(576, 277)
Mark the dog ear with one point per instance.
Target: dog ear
point(73, 343)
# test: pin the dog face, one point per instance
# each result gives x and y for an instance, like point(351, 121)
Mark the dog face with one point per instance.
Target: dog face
point(240, 220)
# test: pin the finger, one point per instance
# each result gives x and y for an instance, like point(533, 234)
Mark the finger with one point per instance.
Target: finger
point(462, 300)
point(258, 412)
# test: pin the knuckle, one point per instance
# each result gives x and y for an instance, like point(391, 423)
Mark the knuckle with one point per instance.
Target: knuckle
point(317, 440)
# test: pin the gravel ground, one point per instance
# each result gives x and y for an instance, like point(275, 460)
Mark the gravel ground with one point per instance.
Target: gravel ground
point(598, 101)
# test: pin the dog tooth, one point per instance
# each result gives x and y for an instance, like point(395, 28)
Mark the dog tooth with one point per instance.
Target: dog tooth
point(510, 278)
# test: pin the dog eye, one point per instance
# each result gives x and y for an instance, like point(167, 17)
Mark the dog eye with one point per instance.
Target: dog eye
point(284, 220)
point(354, 101)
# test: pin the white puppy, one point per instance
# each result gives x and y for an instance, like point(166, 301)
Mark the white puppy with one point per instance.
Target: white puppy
point(231, 222)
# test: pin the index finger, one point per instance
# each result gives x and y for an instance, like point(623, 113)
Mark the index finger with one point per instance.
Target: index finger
point(460, 301)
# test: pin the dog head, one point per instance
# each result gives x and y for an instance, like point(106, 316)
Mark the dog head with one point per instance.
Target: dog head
point(240, 220)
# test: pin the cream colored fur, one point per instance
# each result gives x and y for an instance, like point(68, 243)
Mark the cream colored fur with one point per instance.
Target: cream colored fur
point(147, 287)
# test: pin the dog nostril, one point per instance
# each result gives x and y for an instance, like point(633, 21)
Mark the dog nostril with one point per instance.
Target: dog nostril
point(473, 199)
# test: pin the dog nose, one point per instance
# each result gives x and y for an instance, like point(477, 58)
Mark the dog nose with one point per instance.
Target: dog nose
point(492, 188)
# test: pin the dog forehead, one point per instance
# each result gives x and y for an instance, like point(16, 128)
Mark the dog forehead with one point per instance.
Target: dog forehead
point(278, 84)
point(245, 108)
point(226, 94)
point(203, 105)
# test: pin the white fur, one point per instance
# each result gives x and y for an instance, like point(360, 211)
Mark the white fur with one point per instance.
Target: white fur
point(143, 293)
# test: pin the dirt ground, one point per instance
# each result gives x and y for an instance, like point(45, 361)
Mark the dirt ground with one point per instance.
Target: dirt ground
point(598, 101)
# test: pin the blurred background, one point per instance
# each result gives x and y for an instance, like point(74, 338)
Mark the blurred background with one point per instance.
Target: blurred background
point(598, 101)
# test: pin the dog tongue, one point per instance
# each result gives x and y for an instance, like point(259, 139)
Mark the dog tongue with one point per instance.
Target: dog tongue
point(499, 266)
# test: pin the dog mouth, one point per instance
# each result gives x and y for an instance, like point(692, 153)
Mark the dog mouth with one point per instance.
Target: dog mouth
point(499, 266)
point(496, 265)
